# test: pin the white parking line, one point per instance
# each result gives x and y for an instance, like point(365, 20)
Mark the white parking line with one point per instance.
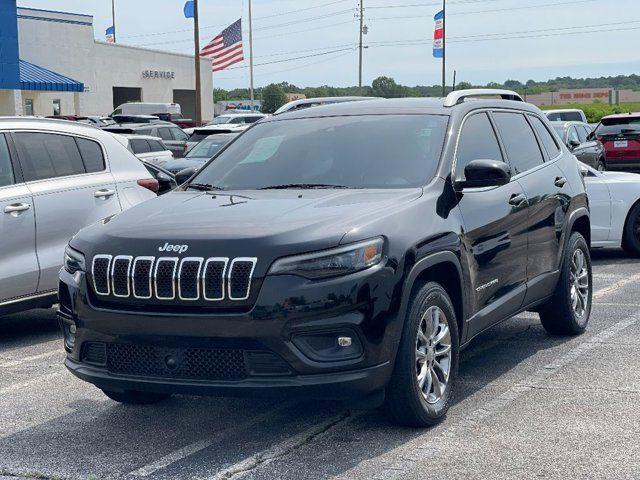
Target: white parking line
point(33, 358)
point(28, 383)
point(195, 447)
point(267, 456)
point(393, 464)
point(622, 283)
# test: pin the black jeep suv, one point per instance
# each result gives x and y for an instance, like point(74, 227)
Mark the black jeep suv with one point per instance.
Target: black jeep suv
point(346, 250)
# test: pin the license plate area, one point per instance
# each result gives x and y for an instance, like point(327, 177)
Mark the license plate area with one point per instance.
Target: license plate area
point(620, 144)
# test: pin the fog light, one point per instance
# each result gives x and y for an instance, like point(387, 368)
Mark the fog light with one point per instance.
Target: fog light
point(329, 346)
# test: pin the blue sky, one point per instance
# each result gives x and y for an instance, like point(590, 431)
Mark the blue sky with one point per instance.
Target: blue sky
point(579, 38)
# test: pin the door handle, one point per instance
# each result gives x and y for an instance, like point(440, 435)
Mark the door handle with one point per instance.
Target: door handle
point(560, 182)
point(517, 199)
point(17, 207)
point(104, 193)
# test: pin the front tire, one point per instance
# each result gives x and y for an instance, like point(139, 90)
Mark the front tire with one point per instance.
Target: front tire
point(134, 397)
point(631, 235)
point(421, 387)
point(568, 311)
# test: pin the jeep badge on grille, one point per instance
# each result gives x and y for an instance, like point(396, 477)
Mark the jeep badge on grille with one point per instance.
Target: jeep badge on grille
point(173, 248)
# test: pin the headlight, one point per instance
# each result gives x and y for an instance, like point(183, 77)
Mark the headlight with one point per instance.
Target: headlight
point(73, 260)
point(331, 263)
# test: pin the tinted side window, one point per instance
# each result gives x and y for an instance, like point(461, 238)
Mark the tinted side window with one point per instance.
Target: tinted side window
point(178, 134)
point(519, 141)
point(546, 138)
point(582, 133)
point(251, 119)
point(6, 169)
point(47, 155)
point(156, 146)
point(573, 135)
point(139, 145)
point(477, 142)
point(91, 155)
point(572, 117)
point(164, 133)
point(144, 131)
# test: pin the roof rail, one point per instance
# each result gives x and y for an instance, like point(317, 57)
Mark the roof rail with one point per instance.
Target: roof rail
point(458, 96)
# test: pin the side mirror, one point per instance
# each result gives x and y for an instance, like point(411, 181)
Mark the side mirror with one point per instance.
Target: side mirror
point(485, 173)
point(185, 174)
point(574, 143)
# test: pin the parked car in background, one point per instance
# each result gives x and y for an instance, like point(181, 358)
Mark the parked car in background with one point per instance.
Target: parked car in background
point(172, 136)
point(150, 149)
point(176, 118)
point(56, 178)
point(579, 138)
point(166, 179)
point(200, 154)
point(229, 118)
point(614, 200)
point(199, 134)
point(125, 119)
point(566, 115)
point(301, 260)
point(146, 108)
point(101, 122)
point(620, 135)
point(316, 102)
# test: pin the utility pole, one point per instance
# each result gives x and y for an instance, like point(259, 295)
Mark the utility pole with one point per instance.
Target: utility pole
point(251, 55)
point(444, 48)
point(454, 80)
point(196, 41)
point(113, 19)
point(360, 47)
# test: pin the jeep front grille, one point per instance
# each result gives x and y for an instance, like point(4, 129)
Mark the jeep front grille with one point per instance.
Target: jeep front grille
point(170, 278)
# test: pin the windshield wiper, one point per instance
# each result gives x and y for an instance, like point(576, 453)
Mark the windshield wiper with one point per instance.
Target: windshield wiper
point(302, 186)
point(205, 187)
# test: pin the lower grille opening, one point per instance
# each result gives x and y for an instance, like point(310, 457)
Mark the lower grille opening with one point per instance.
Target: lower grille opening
point(195, 363)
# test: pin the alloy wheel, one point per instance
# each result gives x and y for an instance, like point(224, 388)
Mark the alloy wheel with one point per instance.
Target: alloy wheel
point(579, 285)
point(433, 354)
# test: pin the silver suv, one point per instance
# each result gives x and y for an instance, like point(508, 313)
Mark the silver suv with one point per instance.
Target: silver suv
point(56, 177)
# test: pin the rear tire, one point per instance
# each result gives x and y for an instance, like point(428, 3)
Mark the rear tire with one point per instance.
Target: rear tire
point(568, 311)
point(426, 367)
point(631, 234)
point(601, 166)
point(134, 397)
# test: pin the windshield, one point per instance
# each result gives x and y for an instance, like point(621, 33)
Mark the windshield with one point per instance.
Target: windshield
point(560, 131)
point(207, 148)
point(220, 120)
point(373, 151)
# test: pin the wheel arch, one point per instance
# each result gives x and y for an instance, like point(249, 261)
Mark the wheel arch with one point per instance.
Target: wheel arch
point(581, 223)
point(627, 218)
point(443, 268)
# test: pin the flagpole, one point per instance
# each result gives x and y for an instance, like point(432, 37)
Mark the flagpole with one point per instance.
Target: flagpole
point(360, 47)
point(196, 41)
point(444, 48)
point(251, 55)
point(113, 18)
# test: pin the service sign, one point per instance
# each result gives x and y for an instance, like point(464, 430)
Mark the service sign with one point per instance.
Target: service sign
point(160, 74)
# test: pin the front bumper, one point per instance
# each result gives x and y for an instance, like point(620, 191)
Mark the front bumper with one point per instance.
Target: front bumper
point(289, 325)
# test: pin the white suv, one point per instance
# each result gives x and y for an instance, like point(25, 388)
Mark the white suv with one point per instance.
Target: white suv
point(56, 177)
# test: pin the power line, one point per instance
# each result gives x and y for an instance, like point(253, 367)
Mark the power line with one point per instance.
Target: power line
point(142, 35)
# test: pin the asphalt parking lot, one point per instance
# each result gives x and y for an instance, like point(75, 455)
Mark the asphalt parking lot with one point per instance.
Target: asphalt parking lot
point(528, 406)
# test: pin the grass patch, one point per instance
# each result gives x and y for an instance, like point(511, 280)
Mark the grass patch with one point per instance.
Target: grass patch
point(595, 111)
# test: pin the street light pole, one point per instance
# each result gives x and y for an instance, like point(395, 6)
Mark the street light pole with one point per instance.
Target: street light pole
point(444, 48)
point(196, 41)
point(113, 19)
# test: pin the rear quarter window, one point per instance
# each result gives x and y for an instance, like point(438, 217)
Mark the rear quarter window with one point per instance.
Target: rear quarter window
point(139, 145)
point(92, 155)
point(549, 143)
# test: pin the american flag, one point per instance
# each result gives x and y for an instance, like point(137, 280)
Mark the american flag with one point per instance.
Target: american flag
point(226, 48)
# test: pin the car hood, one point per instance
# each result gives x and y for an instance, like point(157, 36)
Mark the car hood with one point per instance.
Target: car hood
point(621, 177)
point(175, 165)
point(261, 224)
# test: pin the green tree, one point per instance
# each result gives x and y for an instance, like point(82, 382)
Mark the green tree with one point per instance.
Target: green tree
point(220, 95)
point(385, 87)
point(273, 97)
